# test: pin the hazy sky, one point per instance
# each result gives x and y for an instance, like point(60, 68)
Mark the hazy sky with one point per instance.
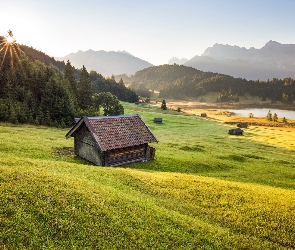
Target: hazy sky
point(153, 30)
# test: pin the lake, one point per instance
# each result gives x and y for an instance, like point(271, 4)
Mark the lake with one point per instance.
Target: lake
point(288, 114)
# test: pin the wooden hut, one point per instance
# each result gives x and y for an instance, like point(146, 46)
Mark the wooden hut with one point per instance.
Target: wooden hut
point(112, 140)
point(242, 125)
point(158, 120)
point(235, 131)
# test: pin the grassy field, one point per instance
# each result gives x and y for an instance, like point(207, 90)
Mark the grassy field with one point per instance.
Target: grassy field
point(204, 190)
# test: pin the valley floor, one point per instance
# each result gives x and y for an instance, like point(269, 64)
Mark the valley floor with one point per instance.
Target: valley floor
point(218, 112)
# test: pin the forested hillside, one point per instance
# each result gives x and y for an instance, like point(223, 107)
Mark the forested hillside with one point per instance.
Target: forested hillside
point(182, 82)
point(157, 77)
point(36, 89)
point(34, 55)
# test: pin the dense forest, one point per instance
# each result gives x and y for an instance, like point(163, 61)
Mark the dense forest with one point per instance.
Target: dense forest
point(182, 82)
point(36, 89)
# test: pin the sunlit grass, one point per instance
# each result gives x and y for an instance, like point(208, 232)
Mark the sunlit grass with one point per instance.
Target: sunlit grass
point(205, 189)
point(273, 136)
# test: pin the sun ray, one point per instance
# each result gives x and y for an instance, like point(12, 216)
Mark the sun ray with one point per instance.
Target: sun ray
point(15, 52)
point(2, 48)
point(17, 57)
point(4, 57)
point(4, 45)
point(11, 59)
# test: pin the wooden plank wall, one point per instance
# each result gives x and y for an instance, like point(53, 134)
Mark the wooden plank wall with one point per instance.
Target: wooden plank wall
point(126, 155)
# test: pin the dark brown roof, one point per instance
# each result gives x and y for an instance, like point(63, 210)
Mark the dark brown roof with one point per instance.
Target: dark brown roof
point(112, 132)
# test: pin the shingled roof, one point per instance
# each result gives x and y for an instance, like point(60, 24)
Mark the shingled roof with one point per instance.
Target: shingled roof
point(113, 132)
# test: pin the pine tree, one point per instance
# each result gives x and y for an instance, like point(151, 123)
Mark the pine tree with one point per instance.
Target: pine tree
point(163, 106)
point(275, 117)
point(269, 116)
point(84, 90)
point(55, 104)
point(13, 115)
point(71, 82)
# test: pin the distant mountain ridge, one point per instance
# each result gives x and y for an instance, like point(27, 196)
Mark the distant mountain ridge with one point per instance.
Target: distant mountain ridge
point(106, 63)
point(177, 61)
point(273, 60)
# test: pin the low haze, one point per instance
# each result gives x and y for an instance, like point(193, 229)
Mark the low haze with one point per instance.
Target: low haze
point(155, 31)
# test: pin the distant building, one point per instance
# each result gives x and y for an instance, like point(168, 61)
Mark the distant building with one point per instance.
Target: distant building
point(242, 125)
point(113, 140)
point(158, 120)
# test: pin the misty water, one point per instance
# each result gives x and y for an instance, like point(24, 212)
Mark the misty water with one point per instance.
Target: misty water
point(288, 114)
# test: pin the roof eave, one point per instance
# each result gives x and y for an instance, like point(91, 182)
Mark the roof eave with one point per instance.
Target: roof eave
point(156, 139)
point(88, 125)
point(74, 128)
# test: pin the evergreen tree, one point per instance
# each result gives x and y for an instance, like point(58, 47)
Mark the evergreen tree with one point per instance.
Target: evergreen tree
point(55, 105)
point(71, 82)
point(251, 115)
point(275, 117)
point(121, 82)
point(84, 90)
point(163, 106)
point(269, 116)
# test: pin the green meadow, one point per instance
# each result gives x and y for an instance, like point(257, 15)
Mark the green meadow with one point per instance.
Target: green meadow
point(204, 190)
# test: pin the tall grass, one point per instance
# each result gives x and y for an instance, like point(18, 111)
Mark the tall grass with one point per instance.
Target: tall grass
point(205, 189)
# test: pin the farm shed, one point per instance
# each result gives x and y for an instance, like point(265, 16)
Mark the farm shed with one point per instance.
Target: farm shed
point(158, 120)
point(113, 140)
point(235, 131)
point(242, 125)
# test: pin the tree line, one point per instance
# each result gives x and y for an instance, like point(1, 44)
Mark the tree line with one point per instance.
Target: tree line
point(46, 94)
point(231, 88)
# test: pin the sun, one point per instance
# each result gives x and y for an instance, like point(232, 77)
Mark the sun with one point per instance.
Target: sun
point(9, 51)
point(10, 39)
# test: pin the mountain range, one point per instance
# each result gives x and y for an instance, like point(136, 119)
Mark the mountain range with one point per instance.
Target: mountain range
point(273, 60)
point(177, 61)
point(106, 63)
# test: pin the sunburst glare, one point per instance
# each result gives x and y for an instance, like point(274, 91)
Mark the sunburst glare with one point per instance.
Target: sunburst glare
point(9, 51)
point(10, 39)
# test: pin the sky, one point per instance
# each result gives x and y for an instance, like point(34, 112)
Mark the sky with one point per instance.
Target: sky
point(153, 30)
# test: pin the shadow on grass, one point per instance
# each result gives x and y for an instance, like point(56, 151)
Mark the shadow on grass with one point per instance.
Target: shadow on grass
point(238, 158)
point(184, 167)
point(193, 148)
point(68, 154)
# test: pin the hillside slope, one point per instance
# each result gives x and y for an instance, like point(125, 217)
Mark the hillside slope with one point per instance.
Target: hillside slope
point(157, 77)
point(198, 193)
point(34, 54)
